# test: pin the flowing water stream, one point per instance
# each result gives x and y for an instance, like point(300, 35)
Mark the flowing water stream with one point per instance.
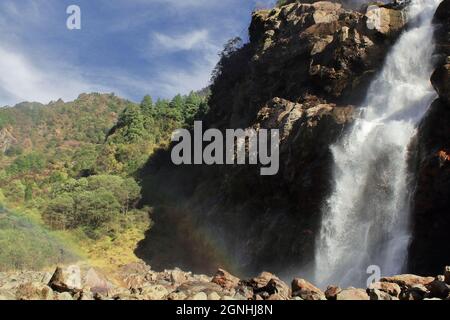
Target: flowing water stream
point(366, 219)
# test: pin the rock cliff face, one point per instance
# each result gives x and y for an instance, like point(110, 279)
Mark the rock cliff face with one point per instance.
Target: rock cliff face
point(306, 66)
point(431, 213)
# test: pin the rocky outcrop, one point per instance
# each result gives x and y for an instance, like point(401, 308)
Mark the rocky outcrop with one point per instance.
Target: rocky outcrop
point(306, 66)
point(431, 201)
point(385, 19)
point(7, 140)
point(307, 291)
point(179, 285)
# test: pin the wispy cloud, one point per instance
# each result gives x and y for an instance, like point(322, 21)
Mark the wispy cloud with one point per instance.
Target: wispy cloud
point(21, 80)
point(197, 39)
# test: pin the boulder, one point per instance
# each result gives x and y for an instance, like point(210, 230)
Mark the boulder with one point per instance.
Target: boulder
point(178, 277)
point(408, 280)
point(66, 279)
point(352, 294)
point(376, 294)
point(97, 283)
point(415, 292)
point(34, 291)
point(154, 292)
point(277, 287)
point(225, 279)
point(305, 290)
point(438, 288)
point(260, 281)
point(332, 292)
point(214, 296)
point(176, 296)
point(199, 296)
point(385, 20)
point(192, 288)
point(390, 288)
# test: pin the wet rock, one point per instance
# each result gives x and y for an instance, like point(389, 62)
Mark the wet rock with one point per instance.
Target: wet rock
point(352, 294)
point(225, 279)
point(66, 279)
point(305, 290)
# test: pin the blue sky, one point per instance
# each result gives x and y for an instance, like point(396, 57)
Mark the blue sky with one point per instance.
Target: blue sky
point(130, 47)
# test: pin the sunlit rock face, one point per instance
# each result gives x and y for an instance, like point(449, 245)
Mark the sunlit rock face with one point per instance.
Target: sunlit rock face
point(305, 69)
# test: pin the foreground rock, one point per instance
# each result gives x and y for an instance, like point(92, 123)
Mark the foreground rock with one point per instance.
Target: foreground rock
point(139, 282)
point(307, 291)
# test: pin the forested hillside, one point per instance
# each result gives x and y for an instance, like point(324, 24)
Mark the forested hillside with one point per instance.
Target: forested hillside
point(71, 168)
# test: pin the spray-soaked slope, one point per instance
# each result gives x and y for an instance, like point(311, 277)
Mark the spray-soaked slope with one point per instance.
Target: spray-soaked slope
point(366, 218)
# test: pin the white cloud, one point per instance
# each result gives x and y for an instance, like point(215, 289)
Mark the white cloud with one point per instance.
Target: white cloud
point(197, 39)
point(21, 80)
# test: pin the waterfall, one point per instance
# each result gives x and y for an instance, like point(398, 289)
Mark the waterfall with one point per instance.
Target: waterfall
point(366, 218)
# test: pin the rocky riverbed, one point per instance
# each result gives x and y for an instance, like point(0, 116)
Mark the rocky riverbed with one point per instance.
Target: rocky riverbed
point(139, 282)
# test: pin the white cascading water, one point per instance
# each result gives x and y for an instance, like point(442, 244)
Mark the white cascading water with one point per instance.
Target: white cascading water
point(366, 218)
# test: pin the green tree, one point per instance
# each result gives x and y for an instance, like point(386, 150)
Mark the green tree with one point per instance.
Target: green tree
point(94, 209)
point(59, 212)
point(131, 121)
point(29, 163)
point(147, 105)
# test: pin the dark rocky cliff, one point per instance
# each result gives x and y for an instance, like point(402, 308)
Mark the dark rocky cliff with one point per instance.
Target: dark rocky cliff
point(305, 67)
point(431, 212)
